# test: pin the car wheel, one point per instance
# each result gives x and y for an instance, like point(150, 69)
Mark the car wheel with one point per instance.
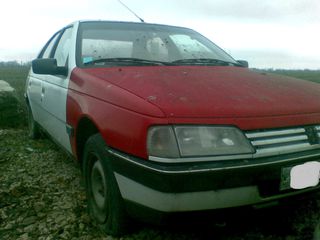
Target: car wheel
point(33, 127)
point(105, 204)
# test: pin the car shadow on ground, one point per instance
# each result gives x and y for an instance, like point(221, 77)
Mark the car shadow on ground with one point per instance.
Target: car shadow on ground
point(293, 219)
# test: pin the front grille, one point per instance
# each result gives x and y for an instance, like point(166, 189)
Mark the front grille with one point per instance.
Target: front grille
point(282, 141)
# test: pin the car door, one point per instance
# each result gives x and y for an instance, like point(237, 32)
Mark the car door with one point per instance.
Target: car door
point(34, 83)
point(54, 93)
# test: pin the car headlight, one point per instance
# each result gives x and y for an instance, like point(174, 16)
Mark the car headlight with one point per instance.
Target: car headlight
point(196, 141)
point(162, 142)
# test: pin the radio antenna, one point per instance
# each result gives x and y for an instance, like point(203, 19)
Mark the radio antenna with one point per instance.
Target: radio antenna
point(141, 20)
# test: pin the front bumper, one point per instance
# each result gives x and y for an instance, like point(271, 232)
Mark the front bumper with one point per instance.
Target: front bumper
point(205, 185)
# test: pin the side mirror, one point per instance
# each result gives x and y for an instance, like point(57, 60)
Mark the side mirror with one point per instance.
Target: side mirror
point(48, 66)
point(243, 63)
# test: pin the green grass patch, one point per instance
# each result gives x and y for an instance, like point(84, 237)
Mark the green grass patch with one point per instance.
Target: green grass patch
point(16, 76)
point(310, 75)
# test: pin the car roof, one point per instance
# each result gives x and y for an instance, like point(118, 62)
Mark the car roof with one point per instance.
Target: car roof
point(127, 22)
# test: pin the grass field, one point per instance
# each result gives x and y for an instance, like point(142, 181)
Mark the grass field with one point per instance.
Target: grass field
point(310, 75)
point(16, 77)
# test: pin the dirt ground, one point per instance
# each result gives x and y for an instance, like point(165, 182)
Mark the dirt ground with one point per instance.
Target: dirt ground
point(42, 197)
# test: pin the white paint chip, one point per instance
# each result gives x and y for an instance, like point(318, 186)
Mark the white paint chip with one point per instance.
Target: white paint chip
point(305, 175)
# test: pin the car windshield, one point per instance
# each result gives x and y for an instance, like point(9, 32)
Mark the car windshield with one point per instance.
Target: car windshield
point(119, 43)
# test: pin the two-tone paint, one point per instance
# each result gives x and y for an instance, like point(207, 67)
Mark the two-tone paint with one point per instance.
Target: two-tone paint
point(122, 103)
point(125, 101)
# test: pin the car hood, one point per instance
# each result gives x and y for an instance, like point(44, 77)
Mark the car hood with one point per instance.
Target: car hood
point(206, 92)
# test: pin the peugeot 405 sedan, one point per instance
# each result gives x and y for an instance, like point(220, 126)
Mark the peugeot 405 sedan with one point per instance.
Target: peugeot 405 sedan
point(163, 121)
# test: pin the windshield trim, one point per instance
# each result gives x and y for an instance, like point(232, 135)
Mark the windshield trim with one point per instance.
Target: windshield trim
point(167, 28)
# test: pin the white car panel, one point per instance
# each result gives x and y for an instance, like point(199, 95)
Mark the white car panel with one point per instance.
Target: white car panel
point(47, 96)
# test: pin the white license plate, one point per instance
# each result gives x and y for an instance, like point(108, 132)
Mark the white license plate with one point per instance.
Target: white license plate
point(300, 176)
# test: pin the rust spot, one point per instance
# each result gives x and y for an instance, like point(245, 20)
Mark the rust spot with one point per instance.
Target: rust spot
point(183, 99)
point(152, 98)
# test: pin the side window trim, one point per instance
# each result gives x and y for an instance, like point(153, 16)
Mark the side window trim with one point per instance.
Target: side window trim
point(53, 50)
point(48, 43)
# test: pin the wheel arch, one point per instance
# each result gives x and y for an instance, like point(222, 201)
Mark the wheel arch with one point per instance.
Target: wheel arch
point(85, 129)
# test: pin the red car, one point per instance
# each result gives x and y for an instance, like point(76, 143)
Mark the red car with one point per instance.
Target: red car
point(162, 121)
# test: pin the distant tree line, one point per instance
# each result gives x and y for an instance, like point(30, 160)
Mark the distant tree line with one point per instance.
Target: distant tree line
point(14, 64)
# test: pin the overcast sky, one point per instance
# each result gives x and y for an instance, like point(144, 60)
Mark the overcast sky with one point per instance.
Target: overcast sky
point(268, 34)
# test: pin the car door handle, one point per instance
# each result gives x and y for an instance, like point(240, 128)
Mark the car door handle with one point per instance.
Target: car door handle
point(42, 93)
point(29, 85)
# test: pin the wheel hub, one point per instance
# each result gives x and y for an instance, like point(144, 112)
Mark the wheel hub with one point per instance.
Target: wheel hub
point(98, 183)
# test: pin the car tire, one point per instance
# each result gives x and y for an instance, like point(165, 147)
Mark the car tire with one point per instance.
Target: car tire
point(105, 204)
point(33, 127)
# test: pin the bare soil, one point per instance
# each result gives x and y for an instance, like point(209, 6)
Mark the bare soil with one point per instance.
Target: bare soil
point(42, 197)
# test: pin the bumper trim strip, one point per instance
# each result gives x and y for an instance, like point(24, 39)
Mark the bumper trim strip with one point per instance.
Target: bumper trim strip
point(146, 166)
point(189, 201)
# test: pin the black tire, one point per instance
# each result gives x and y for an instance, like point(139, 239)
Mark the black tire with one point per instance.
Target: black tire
point(33, 127)
point(105, 204)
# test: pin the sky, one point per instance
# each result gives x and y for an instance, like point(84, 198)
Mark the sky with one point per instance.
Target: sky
point(268, 34)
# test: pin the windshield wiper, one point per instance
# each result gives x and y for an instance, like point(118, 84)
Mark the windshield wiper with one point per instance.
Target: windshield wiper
point(205, 61)
point(126, 61)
